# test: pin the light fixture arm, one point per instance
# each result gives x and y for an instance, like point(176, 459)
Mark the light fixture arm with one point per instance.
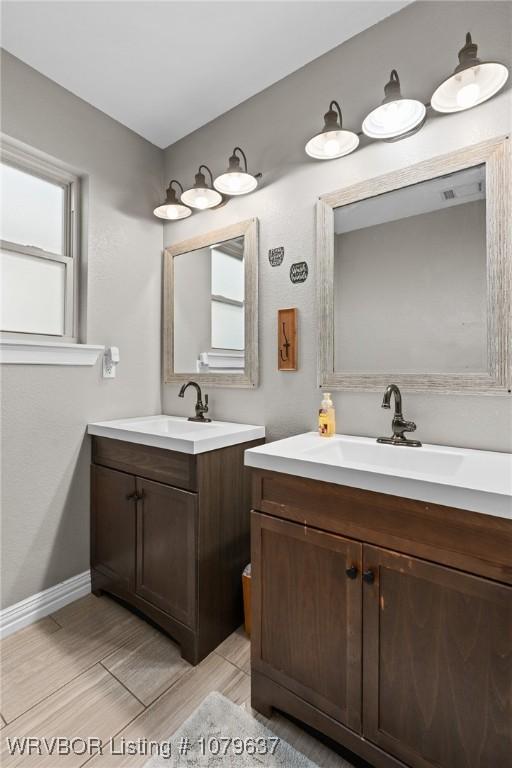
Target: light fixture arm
point(211, 175)
point(334, 105)
point(174, 181)
point(239, 149)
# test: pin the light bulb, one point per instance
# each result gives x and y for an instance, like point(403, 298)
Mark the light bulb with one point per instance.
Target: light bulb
point(331, 147)
point(233, 182)
point(468, 95)
point(201, 201)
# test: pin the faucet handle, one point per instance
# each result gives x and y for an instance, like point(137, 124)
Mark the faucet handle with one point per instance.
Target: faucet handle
point(410, 426)
point(205, 403)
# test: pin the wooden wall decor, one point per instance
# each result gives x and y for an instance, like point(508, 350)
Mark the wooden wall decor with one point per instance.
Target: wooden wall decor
point(287, 339)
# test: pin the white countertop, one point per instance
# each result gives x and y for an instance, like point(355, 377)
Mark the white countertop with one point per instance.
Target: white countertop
point(176, 433)
point(480, 481)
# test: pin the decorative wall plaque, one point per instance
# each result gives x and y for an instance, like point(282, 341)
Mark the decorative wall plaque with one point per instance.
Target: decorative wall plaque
point(287, 339)
point(276, 256)
point(299, 272)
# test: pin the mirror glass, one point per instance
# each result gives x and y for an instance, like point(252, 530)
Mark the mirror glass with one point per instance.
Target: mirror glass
point(209, 309)
point(410, 286)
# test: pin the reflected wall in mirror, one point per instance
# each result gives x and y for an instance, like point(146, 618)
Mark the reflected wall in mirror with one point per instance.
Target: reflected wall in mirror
point(210, 323)
point(412, 277)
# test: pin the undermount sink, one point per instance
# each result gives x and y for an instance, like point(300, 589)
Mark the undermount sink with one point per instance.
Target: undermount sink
point(480, 481)
point(176, 433)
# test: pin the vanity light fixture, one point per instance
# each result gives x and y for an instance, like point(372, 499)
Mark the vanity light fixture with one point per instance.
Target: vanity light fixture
point(172, 209)
point(472, 82)
point(397, 116)
point(235, 181)
point(202, 195)
point(333, 140)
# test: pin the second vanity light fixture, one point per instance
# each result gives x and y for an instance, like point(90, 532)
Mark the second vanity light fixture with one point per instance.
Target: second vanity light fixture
point(472, 83)
point(397, 116)
point(202, 195)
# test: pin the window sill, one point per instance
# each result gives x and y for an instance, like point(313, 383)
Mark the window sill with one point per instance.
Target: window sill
point(14, 352)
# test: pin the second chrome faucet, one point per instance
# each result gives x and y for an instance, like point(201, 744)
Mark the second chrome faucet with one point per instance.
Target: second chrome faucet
point(399, 425)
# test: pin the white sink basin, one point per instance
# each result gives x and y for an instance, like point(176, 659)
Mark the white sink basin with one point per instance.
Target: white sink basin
point(176, 433)
point(480, 481)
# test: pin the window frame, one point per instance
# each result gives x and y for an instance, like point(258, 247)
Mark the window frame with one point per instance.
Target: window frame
point(221, 299)
point(51, 171)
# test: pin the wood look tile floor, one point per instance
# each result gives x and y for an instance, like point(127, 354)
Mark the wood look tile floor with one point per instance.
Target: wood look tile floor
point(95, 669)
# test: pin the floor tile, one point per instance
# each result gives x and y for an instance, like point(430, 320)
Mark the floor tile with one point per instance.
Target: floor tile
point(237, 649)
point(147, 666)
point(94, 704)
point(33, 670)
point(167, 713)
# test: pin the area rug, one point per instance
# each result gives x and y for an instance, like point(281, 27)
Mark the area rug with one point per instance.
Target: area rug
point(221, 734)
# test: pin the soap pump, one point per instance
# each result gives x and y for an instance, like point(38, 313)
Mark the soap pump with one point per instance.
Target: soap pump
point(326, 417)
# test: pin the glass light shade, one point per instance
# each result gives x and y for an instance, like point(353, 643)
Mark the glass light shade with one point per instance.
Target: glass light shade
point(201, 197)
point(469, 87)
point(172, 211)
point(235, 183)
point(330, 144)
point(394, 118)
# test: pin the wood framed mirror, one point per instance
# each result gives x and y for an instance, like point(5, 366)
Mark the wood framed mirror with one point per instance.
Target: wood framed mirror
point(210, 331)
point(414, 277)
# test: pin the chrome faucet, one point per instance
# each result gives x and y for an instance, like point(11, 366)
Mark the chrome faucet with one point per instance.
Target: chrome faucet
point(201, 408)
point(399, 425)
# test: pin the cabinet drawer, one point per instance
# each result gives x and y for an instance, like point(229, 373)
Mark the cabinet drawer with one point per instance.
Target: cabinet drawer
point(171, 467)
point(468, 541)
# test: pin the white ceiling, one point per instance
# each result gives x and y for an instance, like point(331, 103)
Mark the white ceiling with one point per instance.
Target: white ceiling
point(467, 186)
point(166, 68)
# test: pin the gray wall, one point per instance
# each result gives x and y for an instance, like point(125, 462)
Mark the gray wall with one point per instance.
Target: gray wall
point(410, 295)
point(421, 41)
point(45, 409)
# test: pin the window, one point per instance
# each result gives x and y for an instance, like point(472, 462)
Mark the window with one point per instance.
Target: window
point(39, 247)
point(227, 293)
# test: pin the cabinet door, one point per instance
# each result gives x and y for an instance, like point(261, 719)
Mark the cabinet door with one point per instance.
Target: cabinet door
point(306, 631)
point(113, 525)
point(166, 549)
point(437, 664)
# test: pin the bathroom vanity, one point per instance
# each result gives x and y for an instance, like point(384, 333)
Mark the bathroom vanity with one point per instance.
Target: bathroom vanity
point(170, 507)
point(382, 610)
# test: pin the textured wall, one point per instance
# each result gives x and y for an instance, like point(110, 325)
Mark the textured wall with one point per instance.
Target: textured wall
point(430, 271)
point(45, 409)
point(421, 41)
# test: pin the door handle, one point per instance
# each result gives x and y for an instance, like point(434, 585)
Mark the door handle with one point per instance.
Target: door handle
point(352, 572)
point(368, 576)
point(135, 496)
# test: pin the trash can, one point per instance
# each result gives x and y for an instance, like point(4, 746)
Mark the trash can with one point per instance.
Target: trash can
point(246, 588)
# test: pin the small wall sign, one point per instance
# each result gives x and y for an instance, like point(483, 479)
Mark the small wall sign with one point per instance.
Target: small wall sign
point(276, 256)
point(287, 339)
point(299, 272)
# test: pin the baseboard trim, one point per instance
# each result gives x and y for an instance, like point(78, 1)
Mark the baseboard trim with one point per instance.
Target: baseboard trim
point(38, 606)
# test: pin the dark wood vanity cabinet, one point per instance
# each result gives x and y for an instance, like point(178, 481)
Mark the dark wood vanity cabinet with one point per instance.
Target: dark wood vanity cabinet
point(170, 536)
point(384, 623)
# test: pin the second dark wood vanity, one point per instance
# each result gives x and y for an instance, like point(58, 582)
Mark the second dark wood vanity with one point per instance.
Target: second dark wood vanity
point(170, 536)
point(384, 623)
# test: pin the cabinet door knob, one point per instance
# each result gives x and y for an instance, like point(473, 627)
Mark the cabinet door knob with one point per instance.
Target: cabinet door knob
point(132, 496)
point(351, 572)
point(368, 576)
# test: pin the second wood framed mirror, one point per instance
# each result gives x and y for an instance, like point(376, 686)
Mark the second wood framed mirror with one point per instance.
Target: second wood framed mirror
point(414, 272)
